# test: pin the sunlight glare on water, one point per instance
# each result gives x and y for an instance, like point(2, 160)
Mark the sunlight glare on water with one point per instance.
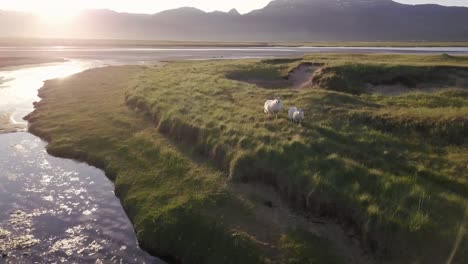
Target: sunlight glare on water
point(54, 210)
point(19, 85)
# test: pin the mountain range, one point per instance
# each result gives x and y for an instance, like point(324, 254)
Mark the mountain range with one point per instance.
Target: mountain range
point(280, 20)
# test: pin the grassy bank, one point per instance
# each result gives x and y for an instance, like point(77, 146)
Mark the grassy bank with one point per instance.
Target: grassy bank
point(384, 168)
point(182, 209)
point(181, 140)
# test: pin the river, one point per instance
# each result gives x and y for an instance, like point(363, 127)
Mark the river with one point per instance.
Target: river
point(149, 54)
point(54, 210)
point(57, 210)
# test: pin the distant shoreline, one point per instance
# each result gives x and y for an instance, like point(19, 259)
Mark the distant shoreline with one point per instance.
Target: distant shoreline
point(27, 42)
point(20, 61)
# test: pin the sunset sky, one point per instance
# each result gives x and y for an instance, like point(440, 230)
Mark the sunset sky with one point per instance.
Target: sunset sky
point(63, 7)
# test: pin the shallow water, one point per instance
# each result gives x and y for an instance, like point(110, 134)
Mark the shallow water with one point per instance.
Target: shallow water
point(19, 85)
point(54, 210)
point(58, 210)
point(149, 54)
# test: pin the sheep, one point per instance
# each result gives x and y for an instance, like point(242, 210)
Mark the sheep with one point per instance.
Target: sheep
point(296, 114)
point(291, 112)
point(273, 106)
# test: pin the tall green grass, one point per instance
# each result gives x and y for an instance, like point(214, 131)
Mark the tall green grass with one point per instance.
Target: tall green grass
point(394, 173)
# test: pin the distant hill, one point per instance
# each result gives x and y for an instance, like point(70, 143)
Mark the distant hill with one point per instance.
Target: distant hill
point(281, 20)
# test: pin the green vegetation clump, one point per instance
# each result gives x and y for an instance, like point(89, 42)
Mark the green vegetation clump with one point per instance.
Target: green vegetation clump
point(354, 74)
point(306, 248)
point(270, 74)
point(353, 78)
point(178, 139)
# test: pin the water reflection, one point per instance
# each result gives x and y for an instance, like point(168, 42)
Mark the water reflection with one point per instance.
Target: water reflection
point(18, 85)
point(54, 210)
point(57, 210)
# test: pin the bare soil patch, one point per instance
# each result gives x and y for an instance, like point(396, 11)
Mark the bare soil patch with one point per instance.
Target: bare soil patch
point(303, 75)
point(274, 217)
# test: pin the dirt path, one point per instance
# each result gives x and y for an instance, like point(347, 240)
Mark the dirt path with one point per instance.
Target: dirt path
point(302, 76)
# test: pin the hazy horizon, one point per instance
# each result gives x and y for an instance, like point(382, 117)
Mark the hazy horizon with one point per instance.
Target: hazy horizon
point(63, 8)
point(282, 21)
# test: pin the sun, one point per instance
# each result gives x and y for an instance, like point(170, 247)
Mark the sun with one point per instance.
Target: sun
point(56, 11)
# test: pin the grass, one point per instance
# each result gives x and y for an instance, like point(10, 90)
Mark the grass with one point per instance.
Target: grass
point(387, 171)
point(182, 209)
point(392, 169)
point(305, 248)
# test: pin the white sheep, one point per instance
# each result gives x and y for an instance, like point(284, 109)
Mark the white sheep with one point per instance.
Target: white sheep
point(291, 112)
point(296, 115)
point(273, 106)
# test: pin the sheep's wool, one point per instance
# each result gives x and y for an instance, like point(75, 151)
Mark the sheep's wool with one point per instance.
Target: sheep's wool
point(273, 106)
point(291, 112)
point(298, 116)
